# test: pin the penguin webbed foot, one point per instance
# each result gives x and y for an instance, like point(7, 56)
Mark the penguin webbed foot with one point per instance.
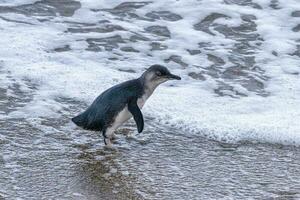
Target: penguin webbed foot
point(110, 148)
point(114, 137)
point(108, 143)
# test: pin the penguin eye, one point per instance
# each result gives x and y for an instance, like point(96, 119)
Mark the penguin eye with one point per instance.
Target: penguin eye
point(158, 73)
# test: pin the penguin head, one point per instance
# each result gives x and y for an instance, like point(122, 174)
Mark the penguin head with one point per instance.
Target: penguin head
point(157, 74)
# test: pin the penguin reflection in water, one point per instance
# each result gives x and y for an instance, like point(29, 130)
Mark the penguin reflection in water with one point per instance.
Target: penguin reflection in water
point(120, 102)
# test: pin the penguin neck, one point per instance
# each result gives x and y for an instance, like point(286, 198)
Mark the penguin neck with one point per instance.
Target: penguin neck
point(148, 86)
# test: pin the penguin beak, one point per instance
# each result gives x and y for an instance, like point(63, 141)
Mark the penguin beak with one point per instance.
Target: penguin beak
point(172, 76)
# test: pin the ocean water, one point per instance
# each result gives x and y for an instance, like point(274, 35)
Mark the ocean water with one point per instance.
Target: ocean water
point(229, 129)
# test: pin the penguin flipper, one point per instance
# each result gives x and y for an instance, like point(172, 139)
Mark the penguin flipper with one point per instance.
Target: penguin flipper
point(137, 114)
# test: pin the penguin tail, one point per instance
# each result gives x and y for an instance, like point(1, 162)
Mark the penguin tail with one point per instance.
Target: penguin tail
point(79, 120)
point(82, 120)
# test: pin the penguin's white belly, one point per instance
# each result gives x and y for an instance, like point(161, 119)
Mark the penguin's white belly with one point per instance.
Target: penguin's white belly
point(122, 117)
point(125, 115)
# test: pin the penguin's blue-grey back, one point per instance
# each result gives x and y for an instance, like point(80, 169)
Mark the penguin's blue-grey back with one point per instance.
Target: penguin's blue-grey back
point(106, 106)
point(93, 117)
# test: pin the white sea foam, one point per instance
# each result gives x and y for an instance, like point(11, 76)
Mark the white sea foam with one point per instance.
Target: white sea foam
point(16, 2)
point(189, 105)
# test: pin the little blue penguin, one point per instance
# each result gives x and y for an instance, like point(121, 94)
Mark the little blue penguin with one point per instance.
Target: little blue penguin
point(119, 103)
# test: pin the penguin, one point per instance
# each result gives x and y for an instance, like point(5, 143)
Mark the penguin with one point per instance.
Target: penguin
point(119, 103)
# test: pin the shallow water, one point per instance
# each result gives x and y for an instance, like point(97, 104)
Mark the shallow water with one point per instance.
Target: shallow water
point(161, 163)
point(228, 130)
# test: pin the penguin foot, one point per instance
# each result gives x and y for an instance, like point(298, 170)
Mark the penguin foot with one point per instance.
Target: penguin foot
point(107, 141)
point(115, 142)
point(110, 147)
point(114, 137)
